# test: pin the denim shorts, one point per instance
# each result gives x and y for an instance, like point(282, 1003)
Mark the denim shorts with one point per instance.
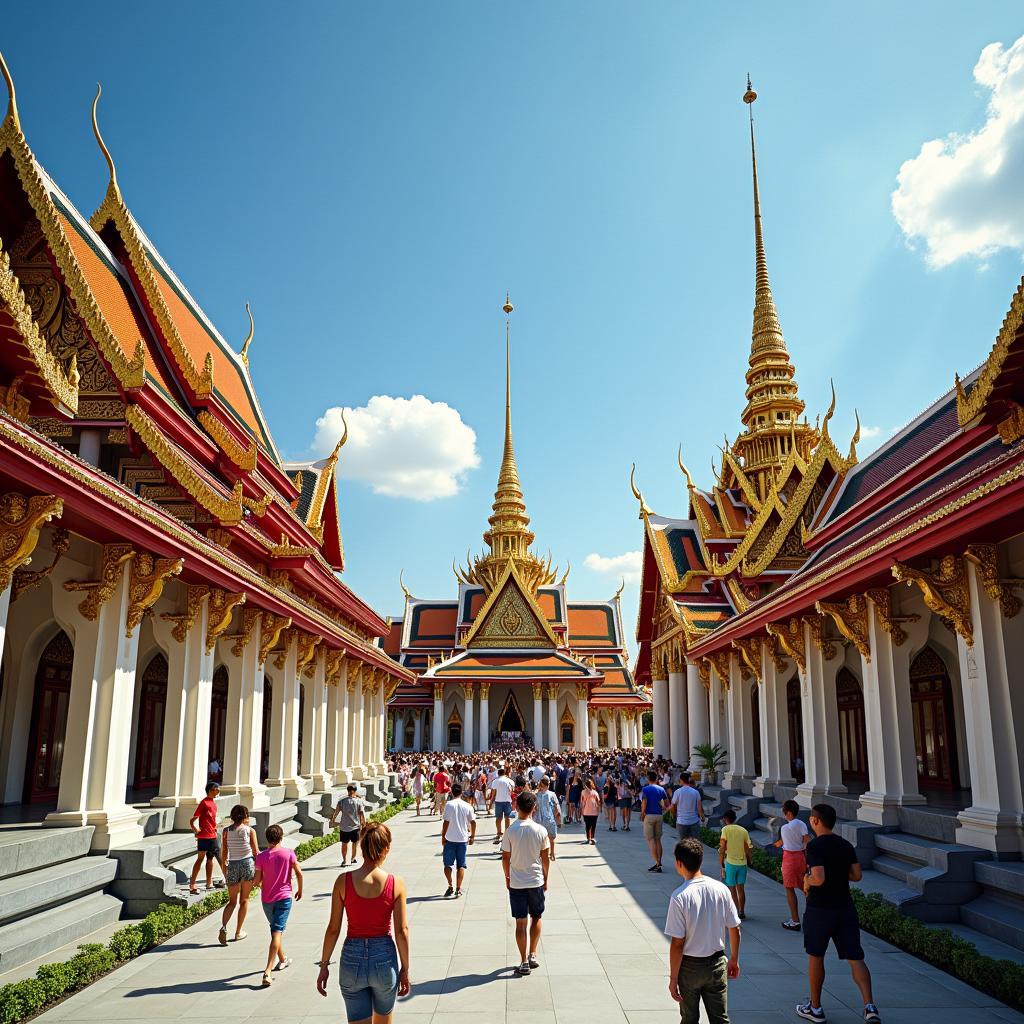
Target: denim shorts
point(502, 809)
point(369, 977)
point(277, 913)
point(239, 871)
point(454, 855)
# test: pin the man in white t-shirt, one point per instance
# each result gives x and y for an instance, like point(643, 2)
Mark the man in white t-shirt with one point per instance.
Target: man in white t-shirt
point(457, 833)
point(501, 794)
point(492, 774)
point(699, 912)
point(535, 773)
point(794, 837)
point(524, 857)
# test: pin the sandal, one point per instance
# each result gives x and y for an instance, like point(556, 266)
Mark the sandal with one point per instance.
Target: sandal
point(283, 964)
point(222, 935)
point(267, 980)
point(240, 936)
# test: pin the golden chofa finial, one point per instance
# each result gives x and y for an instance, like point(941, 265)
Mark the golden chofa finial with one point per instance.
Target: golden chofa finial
point(112, 184)
point(749, 96)
point(686, 472)
point(401, 583)
point(341, 440)
point(244, 354)
point(508, 307)
point(12, 101)
point(644, 510)
point(831, 409)
point(622, 587)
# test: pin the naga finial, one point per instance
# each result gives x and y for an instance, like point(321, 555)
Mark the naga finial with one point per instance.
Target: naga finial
point(622, 587)
point(12, 100)
point(644, 510)
point(401, 582)
point(244, 354)
point(831, 409)
point(112, 185)
point(856, 437)
point(565, 575)
point(686, 472)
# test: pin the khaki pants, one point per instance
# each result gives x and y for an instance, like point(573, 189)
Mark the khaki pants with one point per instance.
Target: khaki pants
point(704, 978)
point(652, 826)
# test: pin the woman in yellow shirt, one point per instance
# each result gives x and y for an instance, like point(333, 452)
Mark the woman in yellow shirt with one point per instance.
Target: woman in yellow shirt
point(734, 849)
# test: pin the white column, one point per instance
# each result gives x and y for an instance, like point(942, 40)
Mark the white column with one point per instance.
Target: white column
point(662, 710)
point(437, 725)
point(368, 724)
point(417, 729)
point(582, 719)
point(186, 737)
point(678, 726)
point(315, 732)
point(284, 722)
point(994, 723)
point(774, 726)
point(594, 735)
point(552, 743)
point(485, 717)
point(696, 714)
point(538, 715)
point(468, 739)
point(94, 770)
point(342, 757)
point(331, 738)
point(889, 721)
point(716, 709)
point(741, 735)
point(244, 727)
point(355, 699)
point(822, 756)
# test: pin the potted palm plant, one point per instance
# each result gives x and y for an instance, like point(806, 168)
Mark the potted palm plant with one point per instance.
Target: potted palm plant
point(713, 756)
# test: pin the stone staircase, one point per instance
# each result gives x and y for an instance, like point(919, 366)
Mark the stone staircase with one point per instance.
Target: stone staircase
point(998, 910)
point(51, 891)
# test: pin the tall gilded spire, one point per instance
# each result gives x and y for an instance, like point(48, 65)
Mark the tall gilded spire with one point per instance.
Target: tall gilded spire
point(508, 476)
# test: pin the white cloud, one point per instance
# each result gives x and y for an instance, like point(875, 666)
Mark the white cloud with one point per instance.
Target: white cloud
point(961, 195)
point(627, 565)
point(402, 447)
point(867, 433)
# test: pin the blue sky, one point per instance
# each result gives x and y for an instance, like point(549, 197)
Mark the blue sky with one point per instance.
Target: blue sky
point(373, 177)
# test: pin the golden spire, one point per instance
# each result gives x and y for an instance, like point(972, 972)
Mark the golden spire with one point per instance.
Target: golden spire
point(12, 100)
point(112, 186)
point(244, 354)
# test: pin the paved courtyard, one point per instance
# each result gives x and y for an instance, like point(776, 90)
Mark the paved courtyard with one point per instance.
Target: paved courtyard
point(603, 955)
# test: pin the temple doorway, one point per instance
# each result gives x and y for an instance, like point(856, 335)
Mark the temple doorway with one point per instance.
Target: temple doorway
point(152, 706)
point(755, 718)
point(49, 720)
point(218, 718)
point(931, 697)
point(853, 740)
point(794, 709)
point(265, 739)
point(511, 718)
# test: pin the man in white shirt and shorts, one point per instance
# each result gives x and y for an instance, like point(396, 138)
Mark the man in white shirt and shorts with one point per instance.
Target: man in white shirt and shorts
point(794, 837)
point(699, 912)
point(457, 833)
point(501, 793)
point(524, 856)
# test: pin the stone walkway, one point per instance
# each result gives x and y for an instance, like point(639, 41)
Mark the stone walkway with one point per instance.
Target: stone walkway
point(603, 955)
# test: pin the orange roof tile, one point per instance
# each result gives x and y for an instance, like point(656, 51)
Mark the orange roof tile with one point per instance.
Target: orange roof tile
point(591, 626)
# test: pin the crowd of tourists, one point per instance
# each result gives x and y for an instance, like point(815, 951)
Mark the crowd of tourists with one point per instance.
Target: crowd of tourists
point(533, 796)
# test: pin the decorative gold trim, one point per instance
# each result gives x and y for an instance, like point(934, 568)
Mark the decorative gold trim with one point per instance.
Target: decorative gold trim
point(271, 628)
point(438, 691)
point(219, 611)
point(511, 578)
point(28, 579)
point(99, 592)
point(1011, 427)
point(147, 576)
point(791, 638)
point(985, 557)
point(258, 506)
point(288, 550)
point(945, 592)
point(243, 458)
point(816, 627)
point(882, 600)
point(308, 643)
point(250, 623)
point(750, 652)
point(851, 619)
point(183, 622)
point(289, 637)
point(21, 519)
point(334, 660)
point(227, 510)
point(720, 663)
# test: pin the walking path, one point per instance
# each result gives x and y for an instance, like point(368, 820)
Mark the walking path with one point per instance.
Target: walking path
point(603, 956)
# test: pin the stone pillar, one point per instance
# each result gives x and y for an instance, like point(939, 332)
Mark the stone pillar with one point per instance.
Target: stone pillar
point(343, 759)
point(582, 718)
point(678, 726)
point(696, 714)
point(243, 739)
point(94, 771)
point(662, 710)
point(417, 727)
point(993, 708)
point(186, 738)
point(774, 725)
point(538, 715)
point(594, 734)
point(355, 714)
point(552, 743)
point(741, 734)
point(314, 730)
point(822, 756)
point(437, 724)
point(485, 717)
point(468, 739)
point(888, 712)
point(369, 722)
point(332, 738)
point(284, 721)
point(716, 708)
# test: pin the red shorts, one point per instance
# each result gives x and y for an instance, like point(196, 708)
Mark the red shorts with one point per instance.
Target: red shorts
point(794, 867)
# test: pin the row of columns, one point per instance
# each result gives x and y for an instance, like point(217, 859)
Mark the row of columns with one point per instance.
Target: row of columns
point(680, 712)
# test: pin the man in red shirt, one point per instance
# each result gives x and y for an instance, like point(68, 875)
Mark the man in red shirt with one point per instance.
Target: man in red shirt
point(442, 786)
point(205, 832)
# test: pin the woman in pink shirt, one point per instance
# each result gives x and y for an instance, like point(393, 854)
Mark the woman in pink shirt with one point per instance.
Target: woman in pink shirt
point(274, 869)
point(590, 808)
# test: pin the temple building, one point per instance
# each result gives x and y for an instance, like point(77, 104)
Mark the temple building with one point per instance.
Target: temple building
point(172, 603)
point(850, 630)
point(510, 658)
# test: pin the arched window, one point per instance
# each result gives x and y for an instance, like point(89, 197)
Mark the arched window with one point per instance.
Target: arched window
point(153, 702)
point(49, 720)
point(455, 729)
point(218, 719)
point(567, 728)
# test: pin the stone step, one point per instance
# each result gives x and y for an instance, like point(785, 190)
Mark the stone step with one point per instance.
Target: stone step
point(895, 867)
point(40, 934)
point(1001, 919)
point(1005, 876)
point(27, 894)
point(276, 794)
point(156, 820)
point(761, 837)
point(27, 849)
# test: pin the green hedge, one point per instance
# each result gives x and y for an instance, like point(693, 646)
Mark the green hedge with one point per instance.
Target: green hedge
point(23, 999)
point(1001, 979)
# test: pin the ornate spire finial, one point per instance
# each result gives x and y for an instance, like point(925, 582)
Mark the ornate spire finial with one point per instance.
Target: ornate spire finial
point(333, 457)
point(12, 100)
point(244, 354)
point(686, 472)
point(622, 587)
point(401, 583)
point(637, 493)
point(112, 185)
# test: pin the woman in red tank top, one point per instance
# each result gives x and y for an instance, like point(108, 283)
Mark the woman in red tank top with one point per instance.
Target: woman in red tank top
point(372, 972)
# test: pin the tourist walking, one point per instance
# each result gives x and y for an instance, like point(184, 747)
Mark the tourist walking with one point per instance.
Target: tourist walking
point(590, 809)
point(352, 814)
point(548, 812)
point(458, 831)
point(793, 837)
point(274, 869)
point(700, 912)
point(689, 810)
point(573, 798)
point(374, 966)
point(653, 801)
point(442, 786)
point(238, 856)
point(419, 782)
point(625, 800)
point(204, 827)
point(524, 857)
point(830, 915)
point(611, 801)
point(501, 796)
point(734, 854)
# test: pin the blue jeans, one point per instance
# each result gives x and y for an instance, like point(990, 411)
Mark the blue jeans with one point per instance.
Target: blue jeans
point(369, 976)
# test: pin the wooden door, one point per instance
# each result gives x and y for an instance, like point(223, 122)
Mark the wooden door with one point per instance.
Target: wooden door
point(49, 720)
point(794, 708)
point(218, 718)
point(853, 740)
point(153, 703)
point(755, 718)
point(931, 699)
